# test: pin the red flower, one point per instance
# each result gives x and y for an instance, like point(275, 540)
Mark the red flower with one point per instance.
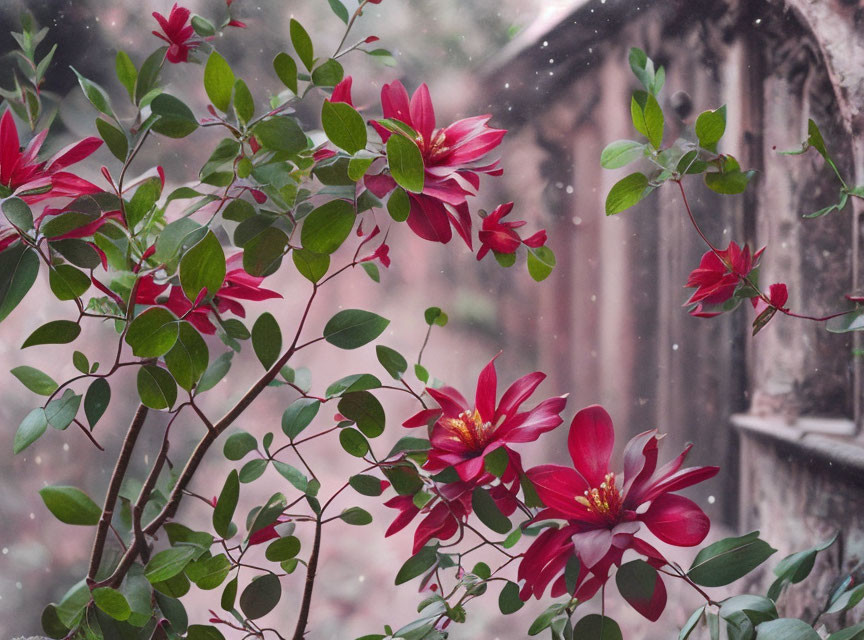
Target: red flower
point(270, 532)
point(342, 91)
point(718, 276)
point(238, 285)
point(20, 172)
point(778, 295)
point(451, 157)
point(179, 35)
point(501, 237)
point(604, 513)
point(444, 514)
point(462, 435)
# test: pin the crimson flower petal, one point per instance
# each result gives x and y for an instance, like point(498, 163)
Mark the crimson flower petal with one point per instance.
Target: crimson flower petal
point(590, 441)
point(676, 520)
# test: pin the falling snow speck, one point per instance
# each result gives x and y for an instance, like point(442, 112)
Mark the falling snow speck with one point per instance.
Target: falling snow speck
point(675, 347)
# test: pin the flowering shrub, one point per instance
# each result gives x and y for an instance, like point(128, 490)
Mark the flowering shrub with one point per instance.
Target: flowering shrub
point(162, 284)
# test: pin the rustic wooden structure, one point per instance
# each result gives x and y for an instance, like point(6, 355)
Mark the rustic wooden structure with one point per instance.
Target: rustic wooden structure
point(784, 407)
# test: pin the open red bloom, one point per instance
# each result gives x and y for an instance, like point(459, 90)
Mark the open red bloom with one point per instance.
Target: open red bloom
point(462, 435)
point(718, 275)
point(452, 157)
point(604, 511)
point(238, 285)
point(21, 173)
point(502, 237)
point(452, 505)
point(180, 36)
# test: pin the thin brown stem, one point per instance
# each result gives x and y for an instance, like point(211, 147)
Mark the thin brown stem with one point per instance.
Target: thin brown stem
point(113, 491)
point(311, 569)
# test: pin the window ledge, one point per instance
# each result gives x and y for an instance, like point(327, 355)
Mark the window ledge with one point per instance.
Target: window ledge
point(808, 437)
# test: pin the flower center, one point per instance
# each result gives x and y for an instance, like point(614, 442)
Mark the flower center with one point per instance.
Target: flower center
point(604, 500)
point(436, 146)
point(470, 429)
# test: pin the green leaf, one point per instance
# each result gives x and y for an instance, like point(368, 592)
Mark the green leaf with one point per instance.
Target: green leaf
point(796, 567)
point(188, 358)
point(244, 103)
point(399, 205)
point(156, 387)
point(418, 564)
point(112, 602)
point(349, 384)
point(286, 70)
point(67, 282)
point(153, 333)
point(328, 74)
point(203, 267)
point(636, 582)
point(597, 627)
point(209, 573)
point(261, 595)
point(358, 166)
point(70, 505)
point(127, 74)
point(488, 512)
point(170, 562)
point(848, 600)
point(365, 410)
point(203, 632)
point(727, 560)
point(353, 328)
point(366, 485)
point(647, 117)
point(19, 266)
point(35, 380)
point(710, 127)
point(621, 153)
point(344, 126)
point(218, 81)
point(114, 139)
point(215, 372)
point(509, 600)
point(299, 415)
point(292, 475)
point(544, 620)
point(282, 549)
point(627, 192)
point(496, 462)
point(60, 412)
point(302, 44)
point(267, 339)
point(148, 75)
point(18, 213)
point(434, 315)
point(356, 516)
point(339, 9)
point(850, 633)
point(263, 254)
point(54, 332)
point(786, 629)
point(142, 202)
point(96, 400)
point(731, 180)
point(327, 227)
point(229, 595)
point(406, 163)
point(226, 504)
point(237, 445)
point(252, 470)
point(312, 266)
point(176, 120)
point(95, 94)
point(353, 442)
point(541, 262)
point(30, 430)
point(392, 361)
point(280, 134)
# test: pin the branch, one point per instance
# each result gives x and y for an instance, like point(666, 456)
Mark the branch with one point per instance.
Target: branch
point(113, 490)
